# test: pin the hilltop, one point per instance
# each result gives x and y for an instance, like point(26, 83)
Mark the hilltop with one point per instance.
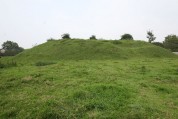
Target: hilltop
point(55, 50)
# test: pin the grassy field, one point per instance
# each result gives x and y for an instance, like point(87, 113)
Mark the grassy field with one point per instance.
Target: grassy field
point(132, 87)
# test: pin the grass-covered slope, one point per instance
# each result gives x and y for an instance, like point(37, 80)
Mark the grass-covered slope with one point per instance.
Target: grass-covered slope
point(58, 85)
point(91, 89)
point(92, 50)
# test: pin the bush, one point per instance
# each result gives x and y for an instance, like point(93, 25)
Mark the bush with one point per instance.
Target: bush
point(171, 42)
point(126, 37)
point(93, 37)
point(10, 49)
point(66, 36)
point(158, 44)
point(150, 36)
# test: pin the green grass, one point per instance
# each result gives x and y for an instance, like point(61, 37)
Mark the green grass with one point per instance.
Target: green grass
point(137, 85)
point(145, 88)
point(91, 50)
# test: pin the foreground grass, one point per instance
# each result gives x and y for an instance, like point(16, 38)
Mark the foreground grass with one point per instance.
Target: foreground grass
point(137, 88)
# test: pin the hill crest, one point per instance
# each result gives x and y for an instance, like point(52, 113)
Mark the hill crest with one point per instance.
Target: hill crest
point(92, 50)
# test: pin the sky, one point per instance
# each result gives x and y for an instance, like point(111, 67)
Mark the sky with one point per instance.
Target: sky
point(32, 22)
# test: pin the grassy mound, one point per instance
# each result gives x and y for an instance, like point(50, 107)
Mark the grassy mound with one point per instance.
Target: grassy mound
point(91, 50)
point(79, 79)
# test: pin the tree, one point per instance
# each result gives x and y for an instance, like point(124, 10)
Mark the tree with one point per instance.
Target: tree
point(9, 45)
point(66, 36)
point(126, 37)
point(150, 36)
point(171, 42)
point(10, 48)
point(93, 37)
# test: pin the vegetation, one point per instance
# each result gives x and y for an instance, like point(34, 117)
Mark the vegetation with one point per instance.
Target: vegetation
point(91, 50)
point(150, 36)
point(171, 42)
point(76, 79)
point(126, 37)
point(10, 48)
point(93, 37)
point(158, 44)
point(135, 88)
point(66, 36)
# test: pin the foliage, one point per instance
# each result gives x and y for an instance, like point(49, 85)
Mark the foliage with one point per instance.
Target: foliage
point(150, 36)
point(158, 44)
point(171, 42)
point(93, 37)
point(66, 36)
point(9, 45)
point(11, 48)
point(126, 37)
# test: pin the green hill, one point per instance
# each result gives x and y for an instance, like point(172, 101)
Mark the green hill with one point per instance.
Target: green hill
point(85, 80)
point(92, 50)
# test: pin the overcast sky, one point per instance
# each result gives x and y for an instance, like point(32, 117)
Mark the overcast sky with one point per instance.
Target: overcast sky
point(28, 22)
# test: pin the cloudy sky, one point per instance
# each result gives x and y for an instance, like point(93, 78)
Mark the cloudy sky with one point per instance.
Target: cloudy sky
point(30, 22)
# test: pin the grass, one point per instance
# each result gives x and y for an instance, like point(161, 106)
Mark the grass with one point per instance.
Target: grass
point(109, 85)
point(142, 88)
point(91, 50)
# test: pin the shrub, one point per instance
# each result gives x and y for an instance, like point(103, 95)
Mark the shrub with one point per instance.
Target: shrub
point(171, 42)
point(66, 36)
point(10, 49)
point(126, 37)
point(150, 36)
point(158, 44)
point(93, 37)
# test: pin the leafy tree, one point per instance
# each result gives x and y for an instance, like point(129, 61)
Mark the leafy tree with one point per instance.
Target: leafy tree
point(150, 36)
point(93, 37)
point(10, 48)
point(126, 37)
point(66, 36)
point(9, 45)
point(171, 42)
